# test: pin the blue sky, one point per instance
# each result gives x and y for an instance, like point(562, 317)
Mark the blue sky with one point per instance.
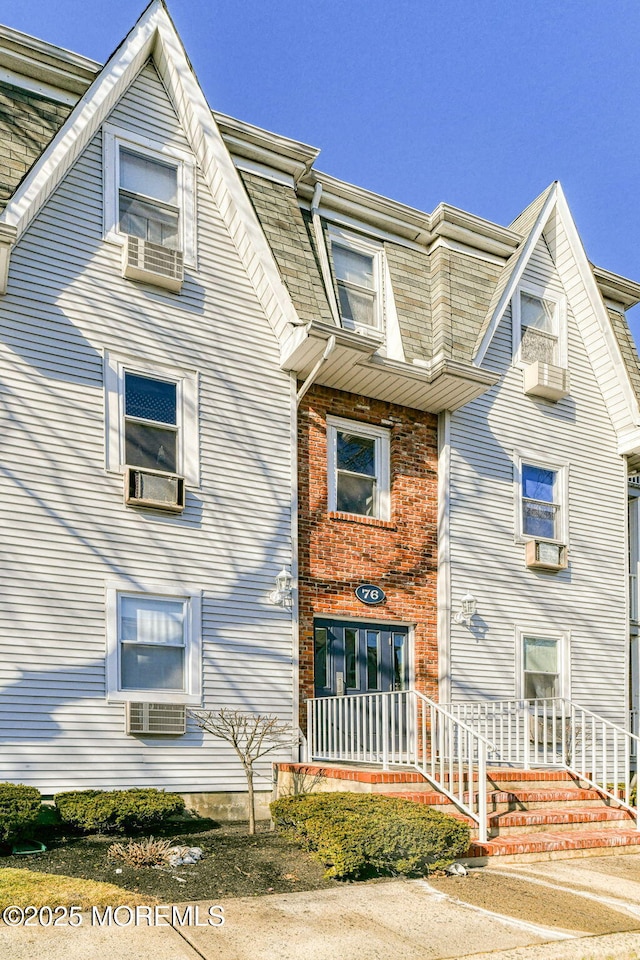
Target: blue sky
point(479, 104)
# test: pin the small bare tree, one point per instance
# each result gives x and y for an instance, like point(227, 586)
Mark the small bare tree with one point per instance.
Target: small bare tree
point(252, 736)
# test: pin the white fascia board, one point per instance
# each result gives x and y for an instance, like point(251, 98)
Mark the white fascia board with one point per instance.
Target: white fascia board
point(591, 287)
point(527, 249)
point(47, 90)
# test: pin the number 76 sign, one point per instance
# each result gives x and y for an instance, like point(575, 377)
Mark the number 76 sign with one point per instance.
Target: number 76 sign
point(369, 593)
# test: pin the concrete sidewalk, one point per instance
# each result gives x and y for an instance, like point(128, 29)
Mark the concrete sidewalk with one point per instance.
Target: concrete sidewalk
point(396, 920)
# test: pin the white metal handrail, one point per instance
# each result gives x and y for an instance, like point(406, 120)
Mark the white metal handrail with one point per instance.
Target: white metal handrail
point(633, 597)
point(404, 728)
point(556, 732)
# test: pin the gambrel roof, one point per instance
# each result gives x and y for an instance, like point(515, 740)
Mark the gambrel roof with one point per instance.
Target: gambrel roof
point(452, 274)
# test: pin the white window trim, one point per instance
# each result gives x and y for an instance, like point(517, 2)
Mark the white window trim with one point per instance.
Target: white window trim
point(371, 248)
point(560, 315)
point(563, 638)
point(562, 482)
point(382, 450)
point(113, 138)
point(115, 367)
point(193, 643)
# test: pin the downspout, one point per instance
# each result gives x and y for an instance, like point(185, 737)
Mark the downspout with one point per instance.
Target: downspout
point(323, 256)
point(8, 236)
point(328, 350)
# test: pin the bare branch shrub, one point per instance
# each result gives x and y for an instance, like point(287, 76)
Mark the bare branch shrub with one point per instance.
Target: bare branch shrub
point(141, 853)
point(252, 736)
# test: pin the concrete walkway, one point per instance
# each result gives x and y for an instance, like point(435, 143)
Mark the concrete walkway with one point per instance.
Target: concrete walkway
point(396, 920)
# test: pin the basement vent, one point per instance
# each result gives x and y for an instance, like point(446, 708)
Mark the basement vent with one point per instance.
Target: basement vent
point(543, 555)
point(156, 719)
point(150, 488)
point(546, 380)
point(152, 263)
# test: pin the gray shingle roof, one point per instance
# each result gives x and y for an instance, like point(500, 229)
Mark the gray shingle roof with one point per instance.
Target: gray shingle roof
point(627, 348)
point(28, 122)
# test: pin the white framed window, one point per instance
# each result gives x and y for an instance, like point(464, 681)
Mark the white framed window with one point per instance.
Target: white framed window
point(542, 664)
point(358, 469)
point(541, 495)
point(358, 266)
point(539, 326)
point(151, 418)
point(149, 192)
point(154, 644)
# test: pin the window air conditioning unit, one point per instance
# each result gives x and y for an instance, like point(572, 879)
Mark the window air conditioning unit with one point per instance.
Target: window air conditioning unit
point(156, 719)
point(546, 380)
point(542, 555)
point(150, 488)
point(152, 263)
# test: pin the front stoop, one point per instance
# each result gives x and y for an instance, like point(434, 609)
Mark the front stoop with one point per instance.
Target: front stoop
point(533, 814)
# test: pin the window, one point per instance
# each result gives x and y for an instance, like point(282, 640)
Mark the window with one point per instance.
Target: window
point(543, 663)
point(153, 645)
point(541, 497)
point(358, 270)
point(148, 199)
point(539, 327)
point(152, 422)
point(149, 192)
point(358, 468)
point(541, 672)
point(540, 509)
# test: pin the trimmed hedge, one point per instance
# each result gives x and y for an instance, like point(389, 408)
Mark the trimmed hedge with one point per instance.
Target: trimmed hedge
point(117, 811)
point(19, 809)
point(356, 833)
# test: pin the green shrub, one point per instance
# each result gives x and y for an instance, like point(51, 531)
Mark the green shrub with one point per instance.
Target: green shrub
point(19, 808)
point(353, 833)
point(117, 811)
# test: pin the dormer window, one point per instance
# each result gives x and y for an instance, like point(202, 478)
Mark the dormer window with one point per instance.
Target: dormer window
point(539, 326)
point(148, 199)
point(538, 330)
point(358, 272)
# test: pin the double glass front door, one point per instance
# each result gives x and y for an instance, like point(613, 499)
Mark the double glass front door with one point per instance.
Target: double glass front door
point(359, 658)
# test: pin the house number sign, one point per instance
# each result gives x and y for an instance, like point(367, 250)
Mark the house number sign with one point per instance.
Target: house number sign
point(368, 593)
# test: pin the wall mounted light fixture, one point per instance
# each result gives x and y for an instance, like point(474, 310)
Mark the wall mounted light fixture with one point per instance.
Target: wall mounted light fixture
point(282, 593)
point(468, 605)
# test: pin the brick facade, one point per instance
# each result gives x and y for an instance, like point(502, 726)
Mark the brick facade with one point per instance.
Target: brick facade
point(339, 551)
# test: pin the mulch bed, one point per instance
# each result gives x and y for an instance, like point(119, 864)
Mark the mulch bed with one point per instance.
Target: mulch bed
point(234, 864)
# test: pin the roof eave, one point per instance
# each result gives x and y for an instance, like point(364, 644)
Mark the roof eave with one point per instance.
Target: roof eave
point(38, 60)
point(433, 386)
point(617, 288)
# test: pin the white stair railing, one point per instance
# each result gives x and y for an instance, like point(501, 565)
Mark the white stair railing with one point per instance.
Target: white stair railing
point(557, 732)
point(404, 728)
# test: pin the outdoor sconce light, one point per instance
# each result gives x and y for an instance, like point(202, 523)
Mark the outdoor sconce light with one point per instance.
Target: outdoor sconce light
point(467, 609)
point(282, 593)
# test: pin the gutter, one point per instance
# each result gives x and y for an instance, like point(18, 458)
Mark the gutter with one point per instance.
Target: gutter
point(328, 350)
point(8, 236)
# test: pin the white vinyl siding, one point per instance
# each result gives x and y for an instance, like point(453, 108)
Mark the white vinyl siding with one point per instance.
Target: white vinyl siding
point(65, 530)
point(588, 599)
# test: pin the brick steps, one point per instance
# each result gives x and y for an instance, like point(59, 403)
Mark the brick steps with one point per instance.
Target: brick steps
point(505, 801)
point(533, 814)
point(568, 818)
point(551, 845)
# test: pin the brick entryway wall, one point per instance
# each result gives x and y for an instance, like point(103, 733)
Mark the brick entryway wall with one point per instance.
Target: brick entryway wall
point(338, 551)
